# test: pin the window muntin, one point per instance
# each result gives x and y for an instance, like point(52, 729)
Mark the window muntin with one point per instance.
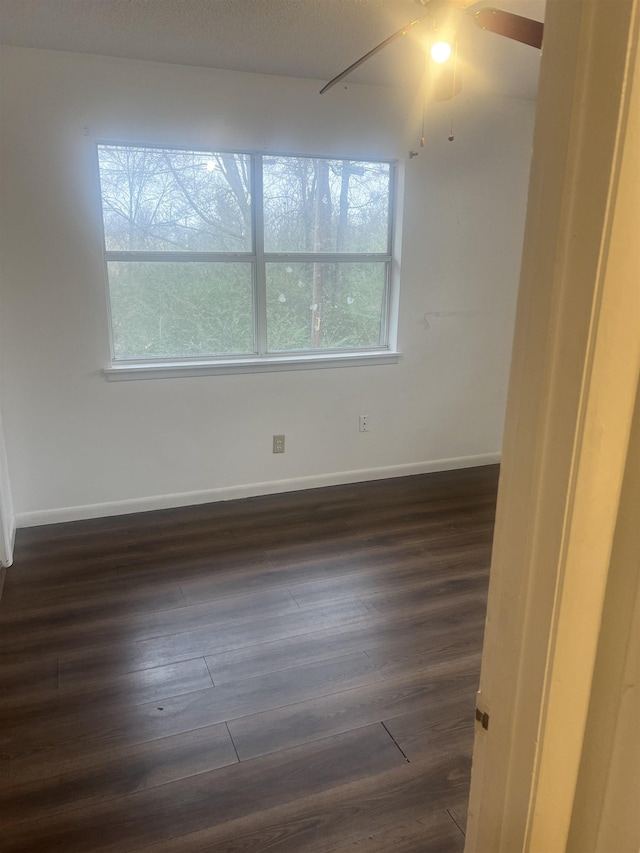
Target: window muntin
point(212, 255)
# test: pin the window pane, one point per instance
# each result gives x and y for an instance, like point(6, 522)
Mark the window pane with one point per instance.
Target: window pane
point(325, 306)
point(164, 200)
point(319, 205)
point(181, 309)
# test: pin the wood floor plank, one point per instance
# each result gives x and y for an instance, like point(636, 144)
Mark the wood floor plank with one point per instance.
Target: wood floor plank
point(137, 627)
point(436, 540)
point(33, 613)
point(74, 727)
point(207, 799)
point(206, 641)
point(406, 659)
point(289, 725)
point(108, 773)
point(106, 655)
point(23, 679)
point(35, 636)
point(325, 560)
point(132, 688)
point(206, 577)
point(308, 556)
point(395, 575)
point(258, 535)
point(29, 590)
point(436, 833)
point(142, 685)
point(431, 516)
point(414, 631)
point(411, 600)
point(458, 813)
point(244, 608)
point(445, 735)
point(464, 537)
point(339, 817)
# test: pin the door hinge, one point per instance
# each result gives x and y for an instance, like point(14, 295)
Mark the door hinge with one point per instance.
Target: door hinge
point(482, 717)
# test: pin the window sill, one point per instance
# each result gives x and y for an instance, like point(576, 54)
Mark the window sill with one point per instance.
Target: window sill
point(168, 369)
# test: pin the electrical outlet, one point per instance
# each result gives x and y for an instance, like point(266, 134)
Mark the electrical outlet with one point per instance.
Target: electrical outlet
point(278, 444)
point(364, 423)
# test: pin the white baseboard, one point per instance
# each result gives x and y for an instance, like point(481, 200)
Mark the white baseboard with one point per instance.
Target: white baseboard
point(250, 490)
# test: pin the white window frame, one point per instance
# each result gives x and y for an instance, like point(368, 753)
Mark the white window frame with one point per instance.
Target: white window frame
point(262, 360)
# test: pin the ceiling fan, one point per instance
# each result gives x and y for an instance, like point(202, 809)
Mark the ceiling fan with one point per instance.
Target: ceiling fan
point(444, 42)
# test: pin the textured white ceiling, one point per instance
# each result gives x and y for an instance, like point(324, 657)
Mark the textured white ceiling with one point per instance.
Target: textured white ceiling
point(296, 38)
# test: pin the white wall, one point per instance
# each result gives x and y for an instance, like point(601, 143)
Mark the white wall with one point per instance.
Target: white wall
point(75, 440)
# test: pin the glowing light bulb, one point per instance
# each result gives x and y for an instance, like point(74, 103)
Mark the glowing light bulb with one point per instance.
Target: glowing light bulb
point(211, 165)
point(440, 51)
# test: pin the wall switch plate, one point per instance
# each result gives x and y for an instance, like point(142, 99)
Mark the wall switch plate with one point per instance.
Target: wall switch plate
point(364, 423)
point(278, 444)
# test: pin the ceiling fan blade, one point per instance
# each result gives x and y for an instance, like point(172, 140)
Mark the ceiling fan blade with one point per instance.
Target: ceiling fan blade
point(401, 32)
point(511, 26)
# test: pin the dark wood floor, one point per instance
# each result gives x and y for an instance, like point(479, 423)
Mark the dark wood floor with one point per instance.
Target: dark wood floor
point(289, 673)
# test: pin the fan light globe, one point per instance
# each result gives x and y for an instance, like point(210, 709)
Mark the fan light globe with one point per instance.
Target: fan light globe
point(440, 51)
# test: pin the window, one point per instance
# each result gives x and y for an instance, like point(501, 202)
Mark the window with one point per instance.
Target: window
point(227, 256)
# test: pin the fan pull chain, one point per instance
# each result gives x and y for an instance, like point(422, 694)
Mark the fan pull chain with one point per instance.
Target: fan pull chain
point(451, 136)
point(424, 98)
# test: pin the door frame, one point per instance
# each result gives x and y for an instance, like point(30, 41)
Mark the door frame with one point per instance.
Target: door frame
point(574, 377)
